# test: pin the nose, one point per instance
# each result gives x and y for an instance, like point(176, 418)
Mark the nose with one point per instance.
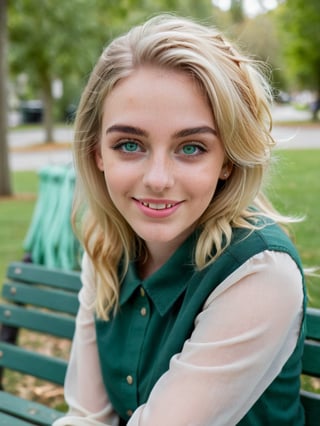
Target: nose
point(158, 175)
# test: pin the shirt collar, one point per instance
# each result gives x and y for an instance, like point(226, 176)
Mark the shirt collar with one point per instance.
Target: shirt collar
point(165, 285)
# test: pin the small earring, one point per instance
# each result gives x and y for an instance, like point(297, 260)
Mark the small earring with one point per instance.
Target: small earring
point(225, 174)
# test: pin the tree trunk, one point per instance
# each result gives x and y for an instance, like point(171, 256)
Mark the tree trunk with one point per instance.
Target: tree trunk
point(48, 109)
point(5, 183)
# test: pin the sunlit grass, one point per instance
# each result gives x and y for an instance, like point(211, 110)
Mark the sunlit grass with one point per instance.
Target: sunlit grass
point(15, 217)
point(295, 191)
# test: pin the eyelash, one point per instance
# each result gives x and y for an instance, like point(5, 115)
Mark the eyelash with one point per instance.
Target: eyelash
point(200, 148)
point(120, 146)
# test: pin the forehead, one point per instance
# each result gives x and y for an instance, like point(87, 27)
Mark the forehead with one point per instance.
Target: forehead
point(153, 90)
point(156, 75)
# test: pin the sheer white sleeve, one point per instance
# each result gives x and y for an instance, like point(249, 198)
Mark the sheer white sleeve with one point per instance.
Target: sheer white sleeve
point(247, 330)
point(85, 393)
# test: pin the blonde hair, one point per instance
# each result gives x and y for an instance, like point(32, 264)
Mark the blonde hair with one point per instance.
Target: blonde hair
point(239, 97)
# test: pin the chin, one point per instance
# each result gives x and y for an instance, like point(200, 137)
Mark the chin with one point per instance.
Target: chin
point(164, 238)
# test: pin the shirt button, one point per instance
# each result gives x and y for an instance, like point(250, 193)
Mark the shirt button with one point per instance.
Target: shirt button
point(129, 413)
point(142, 292)
point(143, 311)
point(129, 380)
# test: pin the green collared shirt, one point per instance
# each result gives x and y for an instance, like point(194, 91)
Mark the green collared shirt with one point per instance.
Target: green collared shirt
point(156, 316)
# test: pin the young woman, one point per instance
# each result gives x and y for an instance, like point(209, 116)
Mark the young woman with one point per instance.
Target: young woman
point(193, 300)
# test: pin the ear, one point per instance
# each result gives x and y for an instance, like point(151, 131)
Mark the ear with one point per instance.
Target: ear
point(226, 171)
point(98, 158)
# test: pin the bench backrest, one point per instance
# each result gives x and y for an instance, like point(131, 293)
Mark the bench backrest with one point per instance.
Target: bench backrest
point(42, 300)
point(311, 366)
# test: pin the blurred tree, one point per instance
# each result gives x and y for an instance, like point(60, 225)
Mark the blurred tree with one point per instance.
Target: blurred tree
point(258, 37)
point(5, 183)
point(237, 11)
point(49, 42)
point(300, 36)
point(201, 9)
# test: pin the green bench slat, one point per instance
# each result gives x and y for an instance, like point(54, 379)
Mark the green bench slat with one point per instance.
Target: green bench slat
point(58, 300)
point(311, 403)
point(27, 410)
point(6, 420)
point(311, 359)
point(35, 364)
point(38, 274)
point(34, 319)
point(42, 300)
point(311, 366)
point(313, 324)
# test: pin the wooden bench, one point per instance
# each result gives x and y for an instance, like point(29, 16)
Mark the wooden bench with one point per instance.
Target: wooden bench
point(45, 301)
point(311, 366)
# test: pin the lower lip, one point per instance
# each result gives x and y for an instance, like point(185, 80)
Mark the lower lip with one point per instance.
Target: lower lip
point(156, 214)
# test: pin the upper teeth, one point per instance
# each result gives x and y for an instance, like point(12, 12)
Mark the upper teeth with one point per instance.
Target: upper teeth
point(157, 206)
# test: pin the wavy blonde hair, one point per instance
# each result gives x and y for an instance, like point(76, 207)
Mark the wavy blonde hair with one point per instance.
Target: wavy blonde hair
point(239, 97)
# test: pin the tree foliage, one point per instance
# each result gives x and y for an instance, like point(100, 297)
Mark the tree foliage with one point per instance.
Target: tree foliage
point(5, 181)
point(258, 37)
point(237, 10)
point(51, 41)
point(255, 36)
point(48, 42)
point(299, 22)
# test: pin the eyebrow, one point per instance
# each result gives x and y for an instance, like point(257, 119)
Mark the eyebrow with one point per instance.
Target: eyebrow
point(180, 134)
point(130, 130)
point(195, 131)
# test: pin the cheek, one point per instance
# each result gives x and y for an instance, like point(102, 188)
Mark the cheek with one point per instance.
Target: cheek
point(203, 184)
point(116, 181)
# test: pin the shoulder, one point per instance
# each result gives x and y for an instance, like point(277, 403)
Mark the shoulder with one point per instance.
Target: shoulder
point(269, 272)
point(267, 235)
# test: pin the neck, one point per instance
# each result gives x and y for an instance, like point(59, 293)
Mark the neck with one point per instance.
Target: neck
point(155, 258)
point(158, 253)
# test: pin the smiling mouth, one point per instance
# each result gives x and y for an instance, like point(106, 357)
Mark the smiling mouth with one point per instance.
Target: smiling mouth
point(157, 206)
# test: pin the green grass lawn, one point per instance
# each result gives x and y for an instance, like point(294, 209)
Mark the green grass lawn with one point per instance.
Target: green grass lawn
point(15, 217)
point(295, 190)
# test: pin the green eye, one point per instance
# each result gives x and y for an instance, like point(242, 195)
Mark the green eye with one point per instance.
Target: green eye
point(130, 146)
point(190, 149)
